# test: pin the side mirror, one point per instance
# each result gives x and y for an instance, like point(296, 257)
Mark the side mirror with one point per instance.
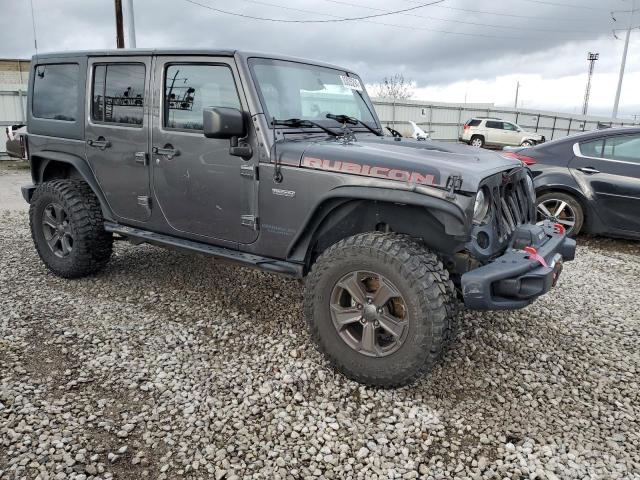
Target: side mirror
point(223, 122)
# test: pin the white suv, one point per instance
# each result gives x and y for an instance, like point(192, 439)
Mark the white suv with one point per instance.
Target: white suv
point(495, 132)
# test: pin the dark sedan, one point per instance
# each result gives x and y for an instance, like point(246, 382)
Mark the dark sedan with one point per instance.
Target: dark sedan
point(589, 182)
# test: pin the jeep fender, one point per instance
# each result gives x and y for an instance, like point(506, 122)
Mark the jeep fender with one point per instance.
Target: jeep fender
point(39, 165)
point(448, 222)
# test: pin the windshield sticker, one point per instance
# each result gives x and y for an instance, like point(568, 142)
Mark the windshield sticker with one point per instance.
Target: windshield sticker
point(350, 82)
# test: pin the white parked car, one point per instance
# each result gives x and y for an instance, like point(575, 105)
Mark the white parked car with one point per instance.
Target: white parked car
point(494, 132)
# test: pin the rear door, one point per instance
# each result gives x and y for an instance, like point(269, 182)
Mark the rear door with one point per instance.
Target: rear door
point(610, 168)
point(495, 132)
point(202, 189)
point(117, 133)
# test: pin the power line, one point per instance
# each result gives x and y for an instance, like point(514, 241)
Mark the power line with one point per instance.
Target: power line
point(511, 15)
point(480, 24)
point(282, 20)
point(404, 27)
point(566, 5)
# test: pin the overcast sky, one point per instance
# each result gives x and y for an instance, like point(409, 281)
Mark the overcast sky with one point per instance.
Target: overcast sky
point(457, 48)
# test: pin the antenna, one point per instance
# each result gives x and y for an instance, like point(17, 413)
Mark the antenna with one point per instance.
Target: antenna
point(592, 57)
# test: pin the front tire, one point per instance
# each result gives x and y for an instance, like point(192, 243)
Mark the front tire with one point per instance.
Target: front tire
point(527, 143)
point(68, 229)
point(379, 307)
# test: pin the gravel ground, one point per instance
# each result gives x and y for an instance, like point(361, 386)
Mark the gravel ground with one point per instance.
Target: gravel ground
point(169, 365)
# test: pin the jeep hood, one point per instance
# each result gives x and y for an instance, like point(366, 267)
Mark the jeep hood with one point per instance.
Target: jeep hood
point(422, 162)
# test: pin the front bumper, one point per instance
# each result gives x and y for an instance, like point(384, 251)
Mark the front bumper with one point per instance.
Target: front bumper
point(518, 277)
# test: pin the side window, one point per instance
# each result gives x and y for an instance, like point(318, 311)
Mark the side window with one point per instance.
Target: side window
point(592, 148)
point(118, 93)
point(55, 92)
point(623, 147)
point(492, 124)
point(191, 88)
point(510, 126)
point(473, 123)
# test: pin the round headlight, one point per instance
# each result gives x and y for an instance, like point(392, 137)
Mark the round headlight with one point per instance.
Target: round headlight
point(481, 207)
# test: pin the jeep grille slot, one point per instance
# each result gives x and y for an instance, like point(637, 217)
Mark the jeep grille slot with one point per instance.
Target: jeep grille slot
point(512, 206)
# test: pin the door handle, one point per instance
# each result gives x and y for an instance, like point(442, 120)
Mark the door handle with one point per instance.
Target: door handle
point(168, 151)
point(100, 143)
point(589, 170)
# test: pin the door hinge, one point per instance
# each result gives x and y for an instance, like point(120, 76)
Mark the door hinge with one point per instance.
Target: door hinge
point(145, 202)
point(249, 171)
point(454, 182)
point(250, 221)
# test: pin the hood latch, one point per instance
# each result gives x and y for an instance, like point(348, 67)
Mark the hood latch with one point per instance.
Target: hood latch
point(454, 182)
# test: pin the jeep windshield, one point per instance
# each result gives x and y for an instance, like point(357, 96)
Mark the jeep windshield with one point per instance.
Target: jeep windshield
point(308, 92)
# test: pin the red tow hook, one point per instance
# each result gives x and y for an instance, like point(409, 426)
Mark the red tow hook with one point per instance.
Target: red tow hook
point(559, 228)
point(533, 255)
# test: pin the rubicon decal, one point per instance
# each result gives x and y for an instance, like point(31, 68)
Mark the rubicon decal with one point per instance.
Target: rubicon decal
point(368, 170)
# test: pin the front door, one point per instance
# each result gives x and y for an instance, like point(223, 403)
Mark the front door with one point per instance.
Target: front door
point(610, 167)
point(201, 189)
point(117, 133)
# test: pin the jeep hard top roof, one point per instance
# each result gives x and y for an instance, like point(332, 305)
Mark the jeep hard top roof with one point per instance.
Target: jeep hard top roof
point(125, 52)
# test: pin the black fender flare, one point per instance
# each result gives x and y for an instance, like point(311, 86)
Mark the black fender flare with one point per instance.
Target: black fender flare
point(43, 159)
point(450, 215)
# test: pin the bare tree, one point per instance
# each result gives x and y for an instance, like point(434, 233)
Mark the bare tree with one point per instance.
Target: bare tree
point(394, 88)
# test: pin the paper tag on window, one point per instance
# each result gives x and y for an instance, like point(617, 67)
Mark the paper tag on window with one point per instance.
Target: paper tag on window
point(350, 82)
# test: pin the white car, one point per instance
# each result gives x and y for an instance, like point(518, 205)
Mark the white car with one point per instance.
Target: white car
point(494, 132)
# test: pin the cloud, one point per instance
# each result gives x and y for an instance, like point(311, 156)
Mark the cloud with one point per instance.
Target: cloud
point(444, 48)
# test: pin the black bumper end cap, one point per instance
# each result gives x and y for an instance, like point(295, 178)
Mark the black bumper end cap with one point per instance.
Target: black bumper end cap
point(27, 192)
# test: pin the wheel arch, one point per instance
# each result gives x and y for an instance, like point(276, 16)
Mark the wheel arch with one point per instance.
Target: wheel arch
point(50, 165)
point(348, 211)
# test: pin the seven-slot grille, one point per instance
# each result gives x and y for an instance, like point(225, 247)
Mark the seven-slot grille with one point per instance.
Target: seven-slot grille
point(512, 206)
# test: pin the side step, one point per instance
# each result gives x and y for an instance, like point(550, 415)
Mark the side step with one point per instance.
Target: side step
point(235, 256)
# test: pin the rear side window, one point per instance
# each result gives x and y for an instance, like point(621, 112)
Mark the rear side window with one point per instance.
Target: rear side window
point(118, 93)
point(622, 147)
point(491, 124)
point(592, 149)
point(473, 123)
point(190, 88)
point(55, 91)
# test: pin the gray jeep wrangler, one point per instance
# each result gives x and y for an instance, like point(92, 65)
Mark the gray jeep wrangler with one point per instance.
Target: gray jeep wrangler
point(281, 164)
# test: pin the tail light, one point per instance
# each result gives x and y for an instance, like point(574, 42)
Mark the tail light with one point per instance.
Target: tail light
point(466, 127)
point(528, 161)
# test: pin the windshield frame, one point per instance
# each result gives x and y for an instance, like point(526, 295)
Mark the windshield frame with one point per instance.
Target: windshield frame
point(254, 60)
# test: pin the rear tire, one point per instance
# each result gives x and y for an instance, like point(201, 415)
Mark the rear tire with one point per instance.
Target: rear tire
point(563, 209)
point(68, 229)
point(422, 292)
point(477, 141)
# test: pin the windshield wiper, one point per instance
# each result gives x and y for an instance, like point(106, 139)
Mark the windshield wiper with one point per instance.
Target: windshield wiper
point(346, 119)
point(299, 122)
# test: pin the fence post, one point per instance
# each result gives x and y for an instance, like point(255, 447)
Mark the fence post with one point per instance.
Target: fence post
point(569, 129)
point(537, 123)
point(430, 119)
point(393, 114)
point(553, 129)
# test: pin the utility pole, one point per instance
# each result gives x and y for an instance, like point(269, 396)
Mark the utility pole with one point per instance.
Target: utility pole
point(592, 57)
point(515, 104)
point(624, 58)
point(119, 30)
point(131, 26)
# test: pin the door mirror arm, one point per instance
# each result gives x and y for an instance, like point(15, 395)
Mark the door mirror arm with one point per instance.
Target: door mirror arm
point(244, 151)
